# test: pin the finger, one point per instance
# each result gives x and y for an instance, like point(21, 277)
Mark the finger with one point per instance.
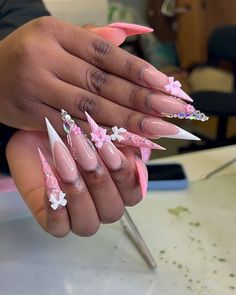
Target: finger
point(83, 215)
point(106, 197)
point(108, 113)
point(103, 54)
point(24, 164)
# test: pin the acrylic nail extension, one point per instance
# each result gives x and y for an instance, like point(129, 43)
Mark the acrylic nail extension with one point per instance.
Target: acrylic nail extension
point(81, 147)
point(142, 176)
point(55, 195)
point(109, 153)
point(62, 158)
point(164, 129)
point(131, 29)
point(174, 88)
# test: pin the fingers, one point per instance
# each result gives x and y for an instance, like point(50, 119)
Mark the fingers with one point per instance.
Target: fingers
point(108, 113)
point(24, 164)
point(100, 186)
point(103, 54)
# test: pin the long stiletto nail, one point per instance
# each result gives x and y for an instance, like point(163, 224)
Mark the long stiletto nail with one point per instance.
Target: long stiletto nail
point(109, 153)
point(174, 88)
point(131, 29)
point(55, 195)
point(142, 176)
point(62, 158)
point(81, 147)
point(171, 107)
point(164, 129)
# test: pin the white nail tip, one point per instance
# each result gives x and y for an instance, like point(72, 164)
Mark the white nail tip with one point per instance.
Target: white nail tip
point(53, 136)
point(182, 134)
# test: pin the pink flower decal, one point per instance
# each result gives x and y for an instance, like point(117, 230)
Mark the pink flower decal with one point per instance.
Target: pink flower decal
point(189, 109)
point(98, 134)
point(173, 87)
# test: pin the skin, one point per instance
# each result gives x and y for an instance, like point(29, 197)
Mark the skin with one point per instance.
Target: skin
point(57, 65)
point(88, 202)
point(94, 198)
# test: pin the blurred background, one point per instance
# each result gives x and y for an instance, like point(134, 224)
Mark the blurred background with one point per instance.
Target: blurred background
point(193, 40)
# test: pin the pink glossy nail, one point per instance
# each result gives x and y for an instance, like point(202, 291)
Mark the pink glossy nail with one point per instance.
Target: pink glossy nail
point(131, 29)
point(62, 158)
point(55, 194)
point(174, 88)
point(109, 153)
point(142, 176)
point(154, 78)
point(81, 147)
point(160, 128)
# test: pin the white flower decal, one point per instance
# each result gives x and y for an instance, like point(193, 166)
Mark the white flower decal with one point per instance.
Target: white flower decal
point(55, 203)
point(116, 133)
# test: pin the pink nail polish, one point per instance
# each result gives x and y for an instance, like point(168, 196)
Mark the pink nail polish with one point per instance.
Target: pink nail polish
point(109, 153)
point(55, 194)
point(174, 88)
point(131, 29)
point(121, 135)
point(82, 149)
point(142, 176)
point(165, 104)
point(62, 158)
point(160, 128)
point(154, 78)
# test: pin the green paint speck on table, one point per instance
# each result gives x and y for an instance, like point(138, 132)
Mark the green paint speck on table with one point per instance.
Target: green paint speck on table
point(178, 210)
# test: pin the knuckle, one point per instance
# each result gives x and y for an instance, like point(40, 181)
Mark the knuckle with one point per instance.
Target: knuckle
point(88, 104)
point(96, 79)
point(45, 23)
point(101, 48)
point(99, 177)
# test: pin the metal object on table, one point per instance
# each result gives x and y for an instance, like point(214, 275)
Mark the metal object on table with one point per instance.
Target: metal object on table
point(133, 233)
point(218, 169)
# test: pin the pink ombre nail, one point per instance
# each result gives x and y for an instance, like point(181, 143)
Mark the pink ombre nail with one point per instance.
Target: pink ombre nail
point(142, 176)
point(131, 29)
point(81, 148)
point(55, 194)
point(109, 153)
point(62, 158)
point(174, 88)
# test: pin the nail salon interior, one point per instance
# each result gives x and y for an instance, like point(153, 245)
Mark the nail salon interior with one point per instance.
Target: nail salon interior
point(181, 238)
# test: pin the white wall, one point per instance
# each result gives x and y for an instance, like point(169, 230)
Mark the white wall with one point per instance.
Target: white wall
point(79, 12)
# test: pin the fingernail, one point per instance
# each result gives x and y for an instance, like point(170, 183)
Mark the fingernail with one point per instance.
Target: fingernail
point(142, 175)
point(121, 135)
point(174, 88)
point(164, 129)
point(145, 154)
point(81, 147)
point(62, 158)
point(168, 105)
point(131, 29)
point(109, 153)
point(154, 78)
point(55, 195)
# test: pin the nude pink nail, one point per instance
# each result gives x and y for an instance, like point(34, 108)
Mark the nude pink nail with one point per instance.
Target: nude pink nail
point(173, 87)
point(131, 29)
point(160, 128)
point(142, 175)
point(109, 153)
point(81, 147)
point(55, 194)
point(62, 158)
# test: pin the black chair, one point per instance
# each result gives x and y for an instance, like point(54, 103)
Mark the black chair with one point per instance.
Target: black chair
point(221, 47)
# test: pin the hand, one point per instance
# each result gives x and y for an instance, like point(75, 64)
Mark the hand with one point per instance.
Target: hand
point(97, 189)
point(48, 64)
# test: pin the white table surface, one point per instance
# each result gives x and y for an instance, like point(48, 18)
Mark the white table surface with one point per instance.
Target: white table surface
point(197, 259)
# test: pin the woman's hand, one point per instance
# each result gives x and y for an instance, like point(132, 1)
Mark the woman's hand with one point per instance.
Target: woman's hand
point(97, 187)
point(48, 64)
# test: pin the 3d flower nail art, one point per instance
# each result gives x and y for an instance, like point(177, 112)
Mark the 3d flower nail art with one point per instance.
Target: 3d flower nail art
point(55, 195)
point(174, 88)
